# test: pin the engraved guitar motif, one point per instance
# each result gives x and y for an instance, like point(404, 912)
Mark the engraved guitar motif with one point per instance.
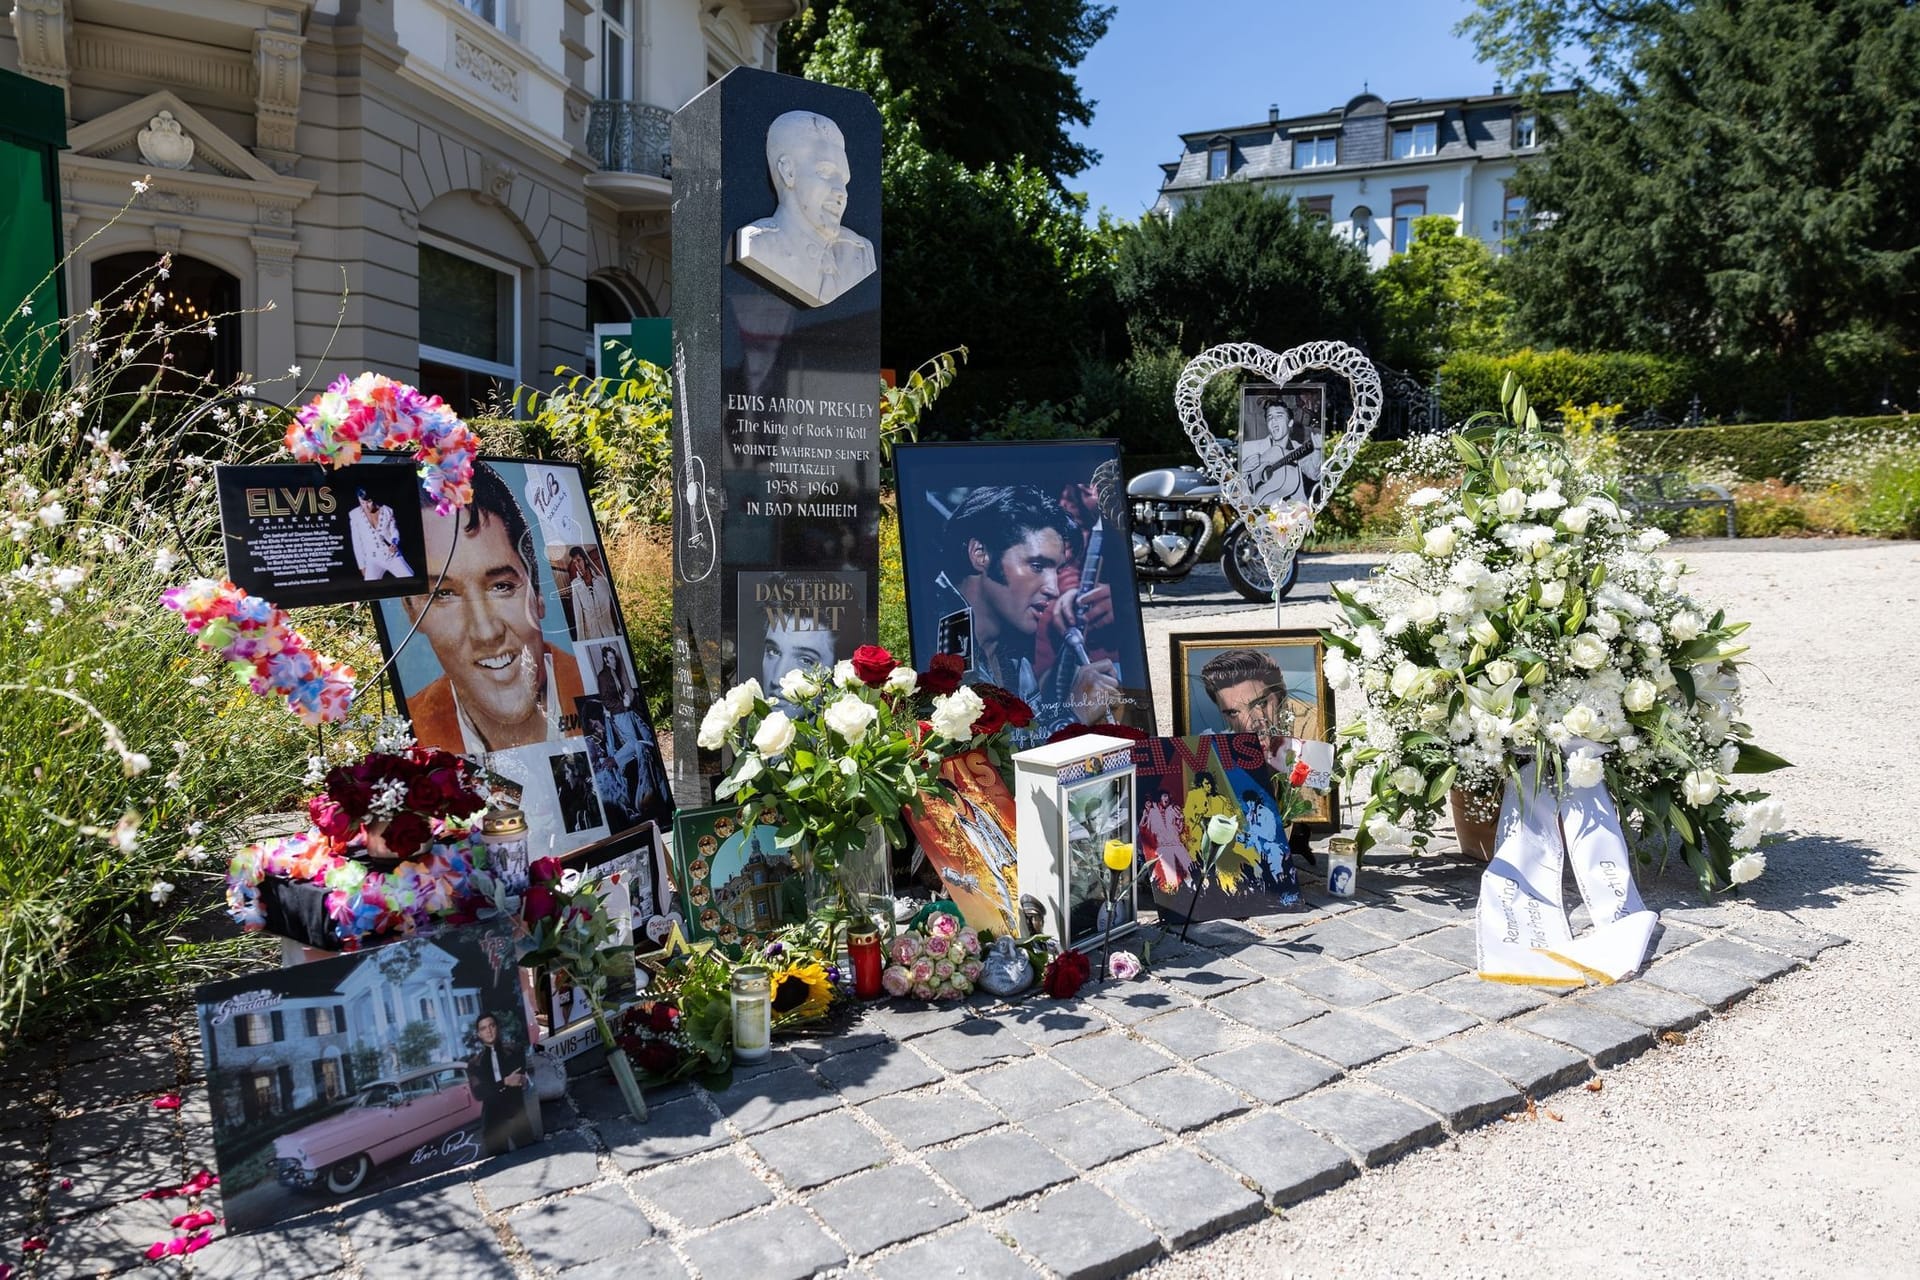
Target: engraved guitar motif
point(695, 543)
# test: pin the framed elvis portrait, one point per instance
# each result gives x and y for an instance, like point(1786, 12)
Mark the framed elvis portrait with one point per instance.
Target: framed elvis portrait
point(1271, 683)
point(515, 652)
point(1017, 557)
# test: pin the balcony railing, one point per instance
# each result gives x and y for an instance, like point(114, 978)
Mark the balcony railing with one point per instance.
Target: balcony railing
point(630, 137)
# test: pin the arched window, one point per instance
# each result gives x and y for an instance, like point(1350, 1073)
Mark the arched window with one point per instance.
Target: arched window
point(1360, 223)
point(190, 317)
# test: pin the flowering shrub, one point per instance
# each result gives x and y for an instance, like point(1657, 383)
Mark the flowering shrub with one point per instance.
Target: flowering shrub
point(938, 961)
point(126, 763)
point(1535, 621)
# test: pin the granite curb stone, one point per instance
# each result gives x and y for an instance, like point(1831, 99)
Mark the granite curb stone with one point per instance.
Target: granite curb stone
point(1652, 1007)
point(1285, 1160)
point(1462, 1094)
point(1601, 1036)
point(1374, 1127)
point(1080, 1233)
point(972, 1251)
point(1747, 961)
point(1185, 1198)
point(1711, 985)
point(1534, 1065)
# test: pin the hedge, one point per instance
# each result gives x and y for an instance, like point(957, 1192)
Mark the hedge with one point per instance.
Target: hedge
point(1470, 382)
point(1756, 451)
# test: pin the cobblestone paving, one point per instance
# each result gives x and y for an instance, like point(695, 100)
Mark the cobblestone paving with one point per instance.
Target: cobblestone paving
point(1260, 1063)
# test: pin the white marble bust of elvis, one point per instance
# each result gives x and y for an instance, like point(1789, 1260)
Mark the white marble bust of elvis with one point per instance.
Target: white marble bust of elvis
point(802, 249)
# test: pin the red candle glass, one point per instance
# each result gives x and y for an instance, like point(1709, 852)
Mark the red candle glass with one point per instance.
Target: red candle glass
point(864, 950)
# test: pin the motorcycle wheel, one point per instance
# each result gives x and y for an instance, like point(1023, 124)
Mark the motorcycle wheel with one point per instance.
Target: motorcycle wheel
point(1247, 572)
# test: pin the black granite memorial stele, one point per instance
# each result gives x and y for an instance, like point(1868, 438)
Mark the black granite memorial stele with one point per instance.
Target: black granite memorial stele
point(776, 251)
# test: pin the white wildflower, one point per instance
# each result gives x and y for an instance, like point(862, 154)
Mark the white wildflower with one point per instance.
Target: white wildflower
point(160, 892)
point(1426, 497)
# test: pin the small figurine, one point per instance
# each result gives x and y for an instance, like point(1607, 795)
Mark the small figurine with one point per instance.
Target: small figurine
point(1005, 969)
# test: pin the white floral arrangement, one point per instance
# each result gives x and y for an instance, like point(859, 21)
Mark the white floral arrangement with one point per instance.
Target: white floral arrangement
point(1535, 621)
point(842, 749)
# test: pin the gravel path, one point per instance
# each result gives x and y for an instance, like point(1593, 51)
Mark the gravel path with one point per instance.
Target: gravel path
point(1779, 1139)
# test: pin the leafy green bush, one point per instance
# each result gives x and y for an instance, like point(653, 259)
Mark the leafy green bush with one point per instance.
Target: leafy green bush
point(620, 431)
point(1470, 380)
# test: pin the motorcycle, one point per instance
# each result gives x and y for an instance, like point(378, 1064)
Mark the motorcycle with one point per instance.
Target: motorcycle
point(1173, 512)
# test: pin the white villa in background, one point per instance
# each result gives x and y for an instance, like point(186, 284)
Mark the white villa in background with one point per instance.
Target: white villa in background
point(1373, 166)
point(483, 181)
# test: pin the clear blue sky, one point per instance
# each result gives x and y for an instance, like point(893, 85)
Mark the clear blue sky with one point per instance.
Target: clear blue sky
point(1167, 67)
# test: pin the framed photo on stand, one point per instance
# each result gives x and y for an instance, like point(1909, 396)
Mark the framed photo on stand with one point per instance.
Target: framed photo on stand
point(1271, 683)
point(736, 886)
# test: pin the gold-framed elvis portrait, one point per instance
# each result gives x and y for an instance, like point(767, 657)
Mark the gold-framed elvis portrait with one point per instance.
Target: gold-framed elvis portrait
point(1265, 682)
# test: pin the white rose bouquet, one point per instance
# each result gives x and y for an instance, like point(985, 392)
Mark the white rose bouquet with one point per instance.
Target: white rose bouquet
point(1534, 621)
point(853, 753)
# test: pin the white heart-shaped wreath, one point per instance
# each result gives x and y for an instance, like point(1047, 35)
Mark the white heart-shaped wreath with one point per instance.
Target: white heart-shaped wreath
point(1277, 533)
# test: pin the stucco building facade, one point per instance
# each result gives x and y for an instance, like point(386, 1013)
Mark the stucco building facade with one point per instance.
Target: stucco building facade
point(1372, 166)
point(453, 192)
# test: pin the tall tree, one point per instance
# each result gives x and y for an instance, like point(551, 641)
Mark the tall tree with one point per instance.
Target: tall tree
point(1744, 181)
point(1241, 265)
point(1442, 295)
point(990, 80)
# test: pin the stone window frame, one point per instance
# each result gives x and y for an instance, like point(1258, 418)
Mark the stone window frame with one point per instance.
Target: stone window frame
point(515, 273)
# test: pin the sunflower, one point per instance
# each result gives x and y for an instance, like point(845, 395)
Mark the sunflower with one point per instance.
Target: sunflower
point(801, 993)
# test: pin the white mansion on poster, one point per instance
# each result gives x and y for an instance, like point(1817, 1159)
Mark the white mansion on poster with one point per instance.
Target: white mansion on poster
point(271, 1053)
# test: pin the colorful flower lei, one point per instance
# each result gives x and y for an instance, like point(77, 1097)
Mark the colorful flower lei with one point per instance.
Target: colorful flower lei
point(373, 411)
point(435, 887)
point(258, 636)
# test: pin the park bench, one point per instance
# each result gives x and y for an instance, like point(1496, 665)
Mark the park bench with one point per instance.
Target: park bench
point(1672, 491)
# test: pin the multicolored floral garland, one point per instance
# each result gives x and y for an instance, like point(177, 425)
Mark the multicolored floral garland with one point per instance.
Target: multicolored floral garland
point(373, 411)
point(363, 904)
point(259, 636)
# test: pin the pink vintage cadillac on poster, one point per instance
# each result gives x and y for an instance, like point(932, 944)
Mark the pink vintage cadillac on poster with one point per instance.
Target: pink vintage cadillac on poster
point(354, 1074)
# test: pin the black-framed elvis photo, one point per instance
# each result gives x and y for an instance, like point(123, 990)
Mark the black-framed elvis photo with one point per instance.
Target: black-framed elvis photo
point(1283, 442)
point(300, 534)
point(1017, 557)
point(636, 884)
point(1271, 683)
point(363, 1072)
point(517, 653)
point(736, 886)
